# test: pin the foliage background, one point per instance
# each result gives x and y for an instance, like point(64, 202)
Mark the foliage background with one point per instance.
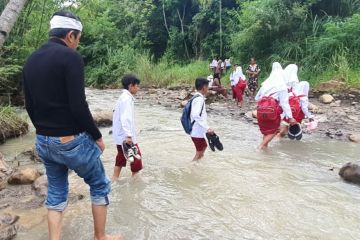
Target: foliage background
point(169, 42)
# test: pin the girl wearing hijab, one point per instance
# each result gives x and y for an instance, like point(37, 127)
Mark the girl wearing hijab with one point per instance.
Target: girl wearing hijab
point(273, 100)
point(298, 95)
point(238, 84)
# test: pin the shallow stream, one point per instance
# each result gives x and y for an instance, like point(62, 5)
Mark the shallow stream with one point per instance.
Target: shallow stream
point(287, 192)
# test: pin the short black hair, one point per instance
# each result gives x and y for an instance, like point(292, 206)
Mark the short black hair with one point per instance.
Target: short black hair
point(200, 83)
point(62, 32)
point(129, 79)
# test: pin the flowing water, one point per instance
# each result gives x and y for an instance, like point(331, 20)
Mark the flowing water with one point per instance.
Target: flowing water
point(287, 192)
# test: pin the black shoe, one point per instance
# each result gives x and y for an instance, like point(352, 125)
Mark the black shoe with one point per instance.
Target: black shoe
point(210, 141)
point(217, 143)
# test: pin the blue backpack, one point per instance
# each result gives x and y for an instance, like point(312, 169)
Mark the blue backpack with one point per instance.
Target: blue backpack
point(185, 117)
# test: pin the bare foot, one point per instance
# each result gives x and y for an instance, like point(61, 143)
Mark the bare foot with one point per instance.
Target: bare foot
point(109, 237)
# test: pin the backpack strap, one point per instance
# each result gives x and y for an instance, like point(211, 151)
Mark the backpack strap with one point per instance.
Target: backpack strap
point(202, 108)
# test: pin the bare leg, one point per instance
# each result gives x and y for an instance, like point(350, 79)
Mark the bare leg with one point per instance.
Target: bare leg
point(266, 140)
point(199, 155)
point(283, 132)
point(99, 215)
point(54, 224)
point(116, 174)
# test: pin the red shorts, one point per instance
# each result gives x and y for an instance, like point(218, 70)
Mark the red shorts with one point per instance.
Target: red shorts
point(136, 166)
point(200, 144)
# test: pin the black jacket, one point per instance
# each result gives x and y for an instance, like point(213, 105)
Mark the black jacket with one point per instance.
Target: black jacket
point(54, 88)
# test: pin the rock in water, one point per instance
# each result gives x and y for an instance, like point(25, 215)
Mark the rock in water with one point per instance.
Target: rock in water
point(25, 176)
point(350, 172)
point(103, 119)
point(313, 108)
point(326, 98)
point(5, 172)
point(355, 138)
point(40, 186)
point(8, 227)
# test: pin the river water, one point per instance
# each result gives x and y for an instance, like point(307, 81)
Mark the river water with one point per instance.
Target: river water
point(286, 192)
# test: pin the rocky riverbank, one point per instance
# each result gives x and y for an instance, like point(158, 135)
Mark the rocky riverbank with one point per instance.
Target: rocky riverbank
point(338, 114)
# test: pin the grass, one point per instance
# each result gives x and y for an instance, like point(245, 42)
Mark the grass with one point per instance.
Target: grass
point(165, 74)
point(11, 125)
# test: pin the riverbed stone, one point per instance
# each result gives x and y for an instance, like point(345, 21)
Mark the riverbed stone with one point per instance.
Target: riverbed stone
point(5, 172)
point(326, 99)
point(24, 176)
point(40, 186)
point(8, 226)
point(355, 138)
point(313, 108)
point(103, 118)
point(350, 172)
point(29, 155)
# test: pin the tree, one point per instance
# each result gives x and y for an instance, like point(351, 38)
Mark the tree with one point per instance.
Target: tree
point(9, 17)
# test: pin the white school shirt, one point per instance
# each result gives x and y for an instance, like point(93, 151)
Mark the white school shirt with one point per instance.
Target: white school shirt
point(124, 119)
point(200, 126)
point(281, 96)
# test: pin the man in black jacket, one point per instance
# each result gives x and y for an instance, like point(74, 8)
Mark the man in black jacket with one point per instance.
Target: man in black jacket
point(66, 136)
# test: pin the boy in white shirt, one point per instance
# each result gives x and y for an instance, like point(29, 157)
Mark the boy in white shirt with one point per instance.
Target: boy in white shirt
point(124, 126)
point(198, 115)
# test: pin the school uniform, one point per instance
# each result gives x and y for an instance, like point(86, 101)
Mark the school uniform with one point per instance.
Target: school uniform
point(123, 127)
point(198, 115)
point(275, 88)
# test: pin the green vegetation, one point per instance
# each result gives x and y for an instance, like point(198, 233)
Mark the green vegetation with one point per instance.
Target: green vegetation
point(170, 42)
point(11, 125)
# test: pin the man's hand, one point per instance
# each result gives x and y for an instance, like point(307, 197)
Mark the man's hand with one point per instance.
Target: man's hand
point(101, 144)
point(210, 131)
point(292, 121)
point(129, 141)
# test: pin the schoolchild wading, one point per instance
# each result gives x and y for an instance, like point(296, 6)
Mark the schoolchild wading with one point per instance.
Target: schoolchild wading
point(273, 100)
point(198, 116)
point(124, 132)
point(66, 136)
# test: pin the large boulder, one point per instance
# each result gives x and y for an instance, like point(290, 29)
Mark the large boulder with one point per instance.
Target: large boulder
point(103, 119)
point(355, 138)
point(350, 172)
point(24, 176)
point(332, 86)
point(326, 98)
point(8, 226)
point(40, 186)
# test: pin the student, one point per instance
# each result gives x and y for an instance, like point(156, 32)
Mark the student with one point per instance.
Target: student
point(124, 126)
point(272, 99)
point(198, 115)
point(228, 64)
point(238, 84)
point(213, 64)
point(298, 96)
point(253, 72)
point(66, 136)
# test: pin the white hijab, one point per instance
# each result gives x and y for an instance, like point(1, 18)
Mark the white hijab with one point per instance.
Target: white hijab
point(275, 82)
point(239, 74)
point(291, 75)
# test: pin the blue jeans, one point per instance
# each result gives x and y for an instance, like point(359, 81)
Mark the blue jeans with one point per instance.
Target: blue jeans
point(81, 155)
